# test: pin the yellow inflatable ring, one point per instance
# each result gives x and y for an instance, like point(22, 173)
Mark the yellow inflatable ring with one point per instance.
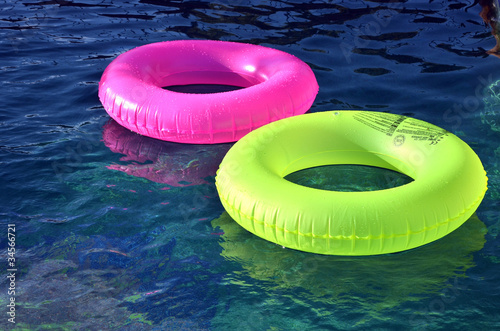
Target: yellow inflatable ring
point(449, 183)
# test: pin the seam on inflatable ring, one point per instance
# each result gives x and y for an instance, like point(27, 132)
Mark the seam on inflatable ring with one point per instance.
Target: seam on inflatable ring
point(369, 237)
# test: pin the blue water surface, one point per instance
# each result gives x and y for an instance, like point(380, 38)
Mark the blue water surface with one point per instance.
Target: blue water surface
point(115, 231)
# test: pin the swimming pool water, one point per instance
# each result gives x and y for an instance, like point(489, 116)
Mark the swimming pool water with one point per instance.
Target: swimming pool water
point(119, 231)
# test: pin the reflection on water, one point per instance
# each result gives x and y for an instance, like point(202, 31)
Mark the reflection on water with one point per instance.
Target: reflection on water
point(160, 161)
point(384, 282)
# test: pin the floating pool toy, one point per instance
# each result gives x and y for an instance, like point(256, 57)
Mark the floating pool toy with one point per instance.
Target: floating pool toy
point(449, 183)
point(275, 85)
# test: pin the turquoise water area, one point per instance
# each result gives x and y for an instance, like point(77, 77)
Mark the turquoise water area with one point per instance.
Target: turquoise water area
point(115, 231)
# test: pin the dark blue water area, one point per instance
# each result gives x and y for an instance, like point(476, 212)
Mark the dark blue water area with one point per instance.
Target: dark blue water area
point(119, 231)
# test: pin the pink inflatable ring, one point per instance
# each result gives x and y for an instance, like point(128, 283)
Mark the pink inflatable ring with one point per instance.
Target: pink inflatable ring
point(275, 85)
